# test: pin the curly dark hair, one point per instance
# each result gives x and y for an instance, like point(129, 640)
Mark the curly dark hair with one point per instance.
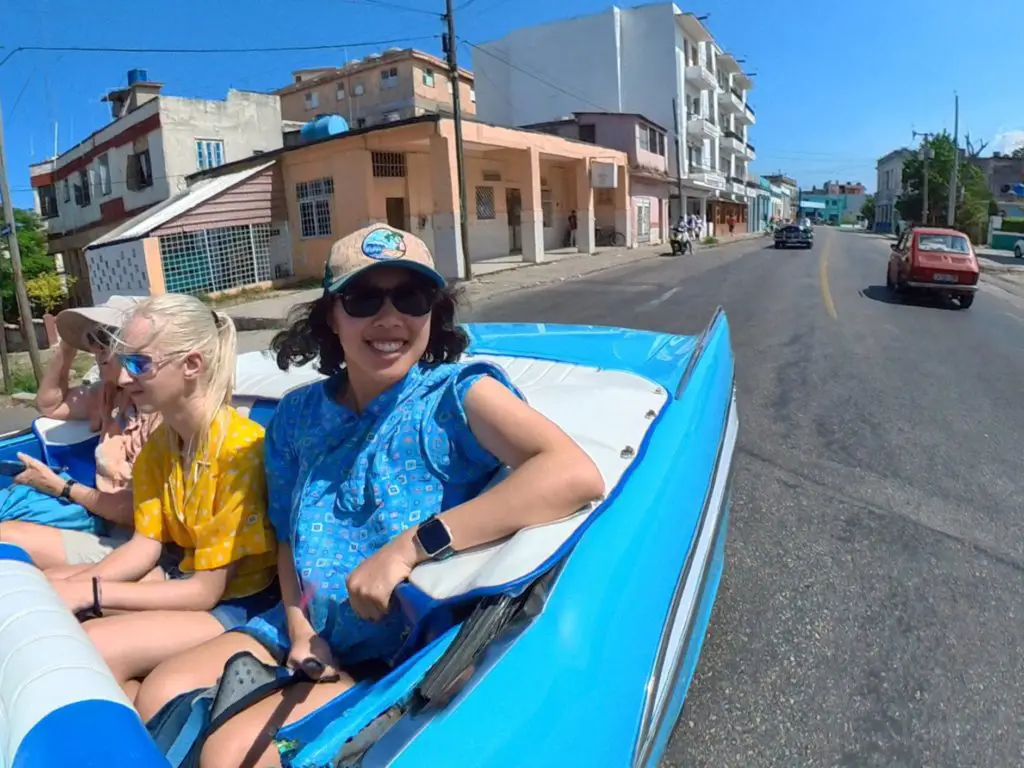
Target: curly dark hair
point(309, 335)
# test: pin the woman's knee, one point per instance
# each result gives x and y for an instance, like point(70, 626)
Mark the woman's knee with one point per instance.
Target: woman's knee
point(198, 668)
point(168, 680)
point(43, 544)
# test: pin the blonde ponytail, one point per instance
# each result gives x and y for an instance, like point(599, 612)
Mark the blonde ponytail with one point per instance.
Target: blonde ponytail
point(221, 382)
point(181, 325)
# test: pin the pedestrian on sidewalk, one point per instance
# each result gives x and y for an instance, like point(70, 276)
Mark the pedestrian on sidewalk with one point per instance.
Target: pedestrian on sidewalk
point(731, 221)
point(572, 228)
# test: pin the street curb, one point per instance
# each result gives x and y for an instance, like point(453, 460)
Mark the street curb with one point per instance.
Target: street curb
point(243, 324)
point(246, 323)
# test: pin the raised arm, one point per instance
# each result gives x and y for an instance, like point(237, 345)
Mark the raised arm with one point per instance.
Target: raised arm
point(56, 398)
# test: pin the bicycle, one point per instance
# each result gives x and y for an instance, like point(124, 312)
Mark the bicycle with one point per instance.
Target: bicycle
point(608, 236)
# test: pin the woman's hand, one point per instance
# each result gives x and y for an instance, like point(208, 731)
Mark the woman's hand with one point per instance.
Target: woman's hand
point(39, 476)
point(76, 593)
point(371, 584)
point(312, 654)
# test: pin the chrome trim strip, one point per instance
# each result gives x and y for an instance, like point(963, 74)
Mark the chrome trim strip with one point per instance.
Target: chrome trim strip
point(944, 287)
point(698, 350)
point(651, 721)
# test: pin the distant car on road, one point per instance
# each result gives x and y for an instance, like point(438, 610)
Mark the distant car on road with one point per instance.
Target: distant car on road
point(1018, 249)
point(937, 260)
point(794, 234)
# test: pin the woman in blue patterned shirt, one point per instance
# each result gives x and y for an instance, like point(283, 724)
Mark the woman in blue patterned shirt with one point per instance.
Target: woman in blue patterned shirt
point(374, 470)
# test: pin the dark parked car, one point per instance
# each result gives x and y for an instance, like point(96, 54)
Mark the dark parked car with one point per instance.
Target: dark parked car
point(793, 234)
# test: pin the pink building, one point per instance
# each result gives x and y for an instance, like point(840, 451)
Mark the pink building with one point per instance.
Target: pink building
point(646, 145)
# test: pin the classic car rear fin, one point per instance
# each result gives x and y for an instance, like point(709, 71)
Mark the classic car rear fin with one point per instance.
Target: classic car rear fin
point(698, 350)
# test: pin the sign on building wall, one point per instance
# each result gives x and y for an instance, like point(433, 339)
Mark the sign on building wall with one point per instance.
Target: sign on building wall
point(604, 175)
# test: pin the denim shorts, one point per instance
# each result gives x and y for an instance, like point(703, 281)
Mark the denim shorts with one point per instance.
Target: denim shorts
point(232, 613)
point(236, 612)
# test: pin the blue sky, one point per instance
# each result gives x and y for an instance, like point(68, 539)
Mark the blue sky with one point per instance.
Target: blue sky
point(834, 89)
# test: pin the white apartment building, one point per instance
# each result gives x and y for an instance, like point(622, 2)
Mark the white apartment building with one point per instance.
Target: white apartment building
point(143, 158)
point(890, 184)
point(640, 60)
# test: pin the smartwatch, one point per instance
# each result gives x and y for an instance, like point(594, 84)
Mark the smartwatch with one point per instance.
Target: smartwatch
point(435, 539)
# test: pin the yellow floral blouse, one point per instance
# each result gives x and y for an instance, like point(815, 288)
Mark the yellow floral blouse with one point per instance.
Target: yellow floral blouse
point(216, 511)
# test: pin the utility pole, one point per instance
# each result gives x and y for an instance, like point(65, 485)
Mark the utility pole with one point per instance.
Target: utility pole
point(5, 362)
point(951, 213)
point(679, 157)
point(450, 45)
point(28, 330)
point(926, 153)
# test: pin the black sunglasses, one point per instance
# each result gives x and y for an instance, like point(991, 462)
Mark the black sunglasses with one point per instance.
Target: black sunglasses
point(413, 299)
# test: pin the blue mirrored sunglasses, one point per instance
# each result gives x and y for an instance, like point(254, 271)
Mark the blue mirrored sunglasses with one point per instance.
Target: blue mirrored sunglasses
point(136, 364)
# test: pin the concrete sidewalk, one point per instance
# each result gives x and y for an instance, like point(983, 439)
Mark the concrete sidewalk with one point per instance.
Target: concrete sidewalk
point(270, 313)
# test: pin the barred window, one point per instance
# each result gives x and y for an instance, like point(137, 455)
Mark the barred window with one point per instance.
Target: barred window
point(485, 202)
point(315, 207)
point(388, 165)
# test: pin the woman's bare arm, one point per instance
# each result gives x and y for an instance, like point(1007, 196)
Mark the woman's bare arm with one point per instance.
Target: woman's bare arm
point(116, 506)
point(55, 398)
point(551, 477)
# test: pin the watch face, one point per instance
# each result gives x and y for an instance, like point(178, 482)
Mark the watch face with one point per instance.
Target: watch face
point(433, 536)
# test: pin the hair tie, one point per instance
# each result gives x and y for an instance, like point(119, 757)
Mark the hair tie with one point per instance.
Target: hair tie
point(217, 319)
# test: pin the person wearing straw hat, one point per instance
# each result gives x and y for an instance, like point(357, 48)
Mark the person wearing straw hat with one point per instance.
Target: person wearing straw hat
point(58, 521)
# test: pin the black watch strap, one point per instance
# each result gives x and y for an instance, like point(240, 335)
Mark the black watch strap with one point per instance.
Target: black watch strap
point(66, 491)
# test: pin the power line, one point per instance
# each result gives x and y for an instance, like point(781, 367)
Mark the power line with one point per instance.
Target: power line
point(536, 77)
point(395, 6)
point(263, 49)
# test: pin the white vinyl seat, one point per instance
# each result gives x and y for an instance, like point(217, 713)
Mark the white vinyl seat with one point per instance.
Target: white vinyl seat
point(607, 413)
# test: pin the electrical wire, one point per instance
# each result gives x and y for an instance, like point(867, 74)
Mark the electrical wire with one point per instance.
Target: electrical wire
point(261, 49)
point(395, 6)
point(536, 77)
point(826, 161)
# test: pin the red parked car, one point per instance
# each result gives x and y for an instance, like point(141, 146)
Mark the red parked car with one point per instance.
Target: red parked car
point(934, 259)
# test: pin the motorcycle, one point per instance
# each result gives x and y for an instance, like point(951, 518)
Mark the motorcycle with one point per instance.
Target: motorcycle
point(680, 241)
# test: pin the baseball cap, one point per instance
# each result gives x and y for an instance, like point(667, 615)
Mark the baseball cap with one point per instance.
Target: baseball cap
point(74, 324)
point(377, 245)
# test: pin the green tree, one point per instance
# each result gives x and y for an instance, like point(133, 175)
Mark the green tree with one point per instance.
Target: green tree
point(1018, 152)
point(972, 196)
point(867, 210)
point(35, 261)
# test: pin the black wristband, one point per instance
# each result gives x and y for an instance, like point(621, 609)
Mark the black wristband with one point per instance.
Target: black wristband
point(66, 492)
point(97, 609)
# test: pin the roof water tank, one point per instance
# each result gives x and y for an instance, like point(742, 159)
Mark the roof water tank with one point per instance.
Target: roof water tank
point(323, 127)
point(137, 76)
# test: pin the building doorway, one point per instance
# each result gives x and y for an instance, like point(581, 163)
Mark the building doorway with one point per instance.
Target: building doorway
point(514, 209)
point(643, 220)
point(395, 209)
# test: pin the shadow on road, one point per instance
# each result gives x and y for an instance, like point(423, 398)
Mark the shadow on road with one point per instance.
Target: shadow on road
point(925, 299)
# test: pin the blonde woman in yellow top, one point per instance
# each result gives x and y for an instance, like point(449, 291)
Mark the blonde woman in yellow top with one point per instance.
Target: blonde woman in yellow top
point(203, 556)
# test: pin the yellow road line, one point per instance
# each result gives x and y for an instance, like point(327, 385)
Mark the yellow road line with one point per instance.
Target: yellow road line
point(826, 294)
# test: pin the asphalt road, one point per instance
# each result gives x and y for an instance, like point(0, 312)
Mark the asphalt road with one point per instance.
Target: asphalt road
point(871, 612)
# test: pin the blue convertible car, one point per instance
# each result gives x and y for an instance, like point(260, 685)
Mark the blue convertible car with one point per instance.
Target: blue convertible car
point(571, 643)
